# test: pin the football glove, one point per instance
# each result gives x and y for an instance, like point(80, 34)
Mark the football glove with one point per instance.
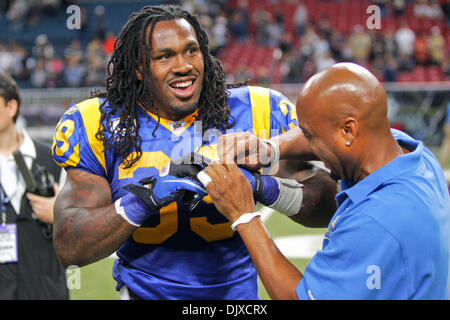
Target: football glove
point(153, 193)
point(192, 163)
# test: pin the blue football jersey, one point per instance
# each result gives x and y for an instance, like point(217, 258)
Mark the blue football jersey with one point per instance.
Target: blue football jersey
point(176, 253)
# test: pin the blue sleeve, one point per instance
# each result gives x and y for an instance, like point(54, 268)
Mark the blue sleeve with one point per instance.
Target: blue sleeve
point(283, 113)
point(75, 144)
point(361, 261)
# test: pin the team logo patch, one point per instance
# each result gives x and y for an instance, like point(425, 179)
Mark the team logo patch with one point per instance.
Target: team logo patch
point(177, 126)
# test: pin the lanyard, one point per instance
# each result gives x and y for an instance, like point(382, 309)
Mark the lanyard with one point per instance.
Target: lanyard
point(4, 201)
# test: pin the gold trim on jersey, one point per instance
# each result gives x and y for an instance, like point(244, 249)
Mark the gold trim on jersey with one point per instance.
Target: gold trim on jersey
point(260, 102)
point(176, 127)
point(90, 113)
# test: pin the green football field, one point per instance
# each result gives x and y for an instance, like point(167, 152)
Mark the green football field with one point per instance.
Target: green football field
point(96, 282)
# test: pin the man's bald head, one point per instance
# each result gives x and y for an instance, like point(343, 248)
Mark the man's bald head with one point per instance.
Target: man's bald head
point(346, 89)
point(342, 110)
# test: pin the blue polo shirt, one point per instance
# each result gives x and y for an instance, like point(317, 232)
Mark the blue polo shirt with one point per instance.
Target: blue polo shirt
point(389, 238)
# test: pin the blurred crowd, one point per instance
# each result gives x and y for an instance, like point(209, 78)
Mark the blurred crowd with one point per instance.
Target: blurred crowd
point(309, 46)
point(386, 52)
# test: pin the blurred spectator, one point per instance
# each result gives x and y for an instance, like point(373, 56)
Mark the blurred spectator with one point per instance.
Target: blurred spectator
point(360, 44)
point(43, 47)
point(55, 68)
point(383, 7)
point(286, 43)
point(219, 34)
point(308, 40)
point(324, 62)
point(377, 47)
point(321, 48)
point(17, 11)
point(300, 18)
point(242, 74)
point(389, 44)
point(404, 38)
point(100, 29)
point(421, 49)
point(390, 69)
point(324, 27)
point(74, 50)
point(39, 75)
point(292, 67)
point(73, 73)
point(405, 62)
point(274, 32)
point(238, 26)
point(50, 7)
point(399, 6)
point(446, 67)
point(306, 43)
point(425, 9)
point(377, 68)
point(436, 45)
point(239, 21)
point(338, 45)
point(262, 19)
point(263, 76)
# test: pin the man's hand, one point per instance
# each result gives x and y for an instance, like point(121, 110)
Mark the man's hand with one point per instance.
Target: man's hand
point(251, 152)
point(43, 206)
point(191, 164)
point(246, 149)
point(229, 189)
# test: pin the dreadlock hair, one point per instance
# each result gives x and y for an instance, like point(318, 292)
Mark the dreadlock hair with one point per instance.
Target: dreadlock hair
point(124, 91)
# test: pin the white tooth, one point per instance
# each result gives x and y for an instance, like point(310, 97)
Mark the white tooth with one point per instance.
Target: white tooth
point(183, 84)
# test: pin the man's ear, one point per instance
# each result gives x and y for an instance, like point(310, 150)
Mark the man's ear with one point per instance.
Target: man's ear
point(350, 128)
point(12, 106)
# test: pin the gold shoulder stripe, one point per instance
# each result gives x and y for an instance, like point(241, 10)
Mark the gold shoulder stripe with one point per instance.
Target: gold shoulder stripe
point(260, 102)
point(90, 113)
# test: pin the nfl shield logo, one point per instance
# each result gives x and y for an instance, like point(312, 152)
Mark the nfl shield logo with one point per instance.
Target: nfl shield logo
point(177, 126)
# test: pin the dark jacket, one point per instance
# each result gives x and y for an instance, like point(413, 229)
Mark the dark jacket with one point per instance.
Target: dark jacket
point(38, 274)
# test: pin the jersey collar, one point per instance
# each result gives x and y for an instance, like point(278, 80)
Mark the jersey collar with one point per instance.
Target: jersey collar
point(176, 127)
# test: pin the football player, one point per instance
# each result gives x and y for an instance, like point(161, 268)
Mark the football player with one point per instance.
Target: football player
point(166, 97)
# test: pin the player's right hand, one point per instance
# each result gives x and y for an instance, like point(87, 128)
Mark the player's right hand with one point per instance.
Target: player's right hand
point(153, 193)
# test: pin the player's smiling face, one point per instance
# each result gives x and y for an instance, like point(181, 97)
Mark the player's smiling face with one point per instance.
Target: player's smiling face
point(177, 69)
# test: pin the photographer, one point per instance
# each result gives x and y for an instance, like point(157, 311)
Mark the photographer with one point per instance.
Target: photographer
point(29, 268)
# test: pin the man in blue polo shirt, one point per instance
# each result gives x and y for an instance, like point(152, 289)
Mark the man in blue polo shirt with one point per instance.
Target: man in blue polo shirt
point(389, 238)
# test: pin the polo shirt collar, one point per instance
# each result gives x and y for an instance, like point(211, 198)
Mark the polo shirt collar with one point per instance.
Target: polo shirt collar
point(401, 165)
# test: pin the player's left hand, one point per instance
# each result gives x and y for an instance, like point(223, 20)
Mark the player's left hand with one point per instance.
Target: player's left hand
point(159, 190)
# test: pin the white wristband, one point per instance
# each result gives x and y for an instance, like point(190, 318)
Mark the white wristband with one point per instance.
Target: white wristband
point(245, 218)
point(275, 157)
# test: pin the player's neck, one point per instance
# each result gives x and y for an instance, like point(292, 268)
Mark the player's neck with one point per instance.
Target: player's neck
point(10, 141)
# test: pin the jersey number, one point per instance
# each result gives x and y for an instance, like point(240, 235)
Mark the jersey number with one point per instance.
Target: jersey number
point(169, 214)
